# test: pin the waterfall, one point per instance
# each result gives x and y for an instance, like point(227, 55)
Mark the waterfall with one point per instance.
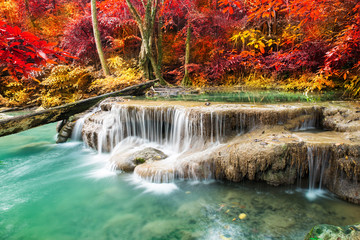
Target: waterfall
point(188, 135)
point(318, 158)
point(308, 124)
point(178, 128)
point(77, 130)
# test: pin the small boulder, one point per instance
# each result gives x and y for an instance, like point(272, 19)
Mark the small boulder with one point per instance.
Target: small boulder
point(127, 163)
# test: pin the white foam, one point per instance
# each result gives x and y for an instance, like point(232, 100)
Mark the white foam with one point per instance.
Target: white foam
point(103, 168)
point(313, 194)
point(149, 187)
point(102, 173)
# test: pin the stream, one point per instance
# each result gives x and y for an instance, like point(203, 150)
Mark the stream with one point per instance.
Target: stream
point(68, 191)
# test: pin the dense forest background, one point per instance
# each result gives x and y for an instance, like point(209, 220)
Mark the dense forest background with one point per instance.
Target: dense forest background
point(48, 54)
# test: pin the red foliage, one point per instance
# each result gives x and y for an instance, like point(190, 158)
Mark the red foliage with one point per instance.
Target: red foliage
point(345, 54)
point(294, 36)
point(22, 52)
point(79, 40)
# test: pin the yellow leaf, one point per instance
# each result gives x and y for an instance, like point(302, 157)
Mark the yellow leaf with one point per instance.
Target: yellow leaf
point(242, 216)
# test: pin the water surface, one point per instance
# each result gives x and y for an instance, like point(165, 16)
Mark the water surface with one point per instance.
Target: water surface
point(67, 191)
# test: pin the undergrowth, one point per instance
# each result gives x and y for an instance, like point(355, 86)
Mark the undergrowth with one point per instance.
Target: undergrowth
point(65, 84)
point(306, 82)
point(17, 93)
point(124, 74)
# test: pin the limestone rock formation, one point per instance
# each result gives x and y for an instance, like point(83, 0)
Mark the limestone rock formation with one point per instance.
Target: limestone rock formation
point(278, 144)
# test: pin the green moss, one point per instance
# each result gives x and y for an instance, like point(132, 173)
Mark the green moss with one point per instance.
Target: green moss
point(139, 160)
point(319, 231)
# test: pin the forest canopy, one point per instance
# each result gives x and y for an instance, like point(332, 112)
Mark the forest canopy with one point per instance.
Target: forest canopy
point(304, 45)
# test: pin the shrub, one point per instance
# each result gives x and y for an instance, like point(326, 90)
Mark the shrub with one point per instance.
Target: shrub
point(65, 84)
point(18, 93)
point(125, 73)
point(3, 101)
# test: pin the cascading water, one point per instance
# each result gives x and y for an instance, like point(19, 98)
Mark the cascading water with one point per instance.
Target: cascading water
point(188, 135)
point(177, 128)
point(182, 133)
point(77, 130)
point(318, 159)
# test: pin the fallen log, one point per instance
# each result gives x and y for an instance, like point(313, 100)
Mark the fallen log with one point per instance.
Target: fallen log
point(21, 123)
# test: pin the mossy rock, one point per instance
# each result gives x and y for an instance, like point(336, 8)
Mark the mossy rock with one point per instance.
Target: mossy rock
point(128, 163)
point(139, 161)
point(331, 232)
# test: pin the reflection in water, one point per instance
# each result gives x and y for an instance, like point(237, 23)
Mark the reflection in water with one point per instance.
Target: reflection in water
point(69, 192)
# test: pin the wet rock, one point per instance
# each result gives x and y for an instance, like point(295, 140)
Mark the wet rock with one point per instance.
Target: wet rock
point(65, 132)
point(330, 232)
point(345, 189)
point(277, 178)
point(60, 124)
point(128, 162)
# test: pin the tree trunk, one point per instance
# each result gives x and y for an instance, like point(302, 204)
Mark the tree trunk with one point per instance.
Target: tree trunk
point(147, 59)
point(160, 42)
point(98, 38)
point(186, 80)
point(145, 64)
point(25, 122)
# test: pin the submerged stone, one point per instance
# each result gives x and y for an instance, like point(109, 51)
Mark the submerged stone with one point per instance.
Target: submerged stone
point(330, 232)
